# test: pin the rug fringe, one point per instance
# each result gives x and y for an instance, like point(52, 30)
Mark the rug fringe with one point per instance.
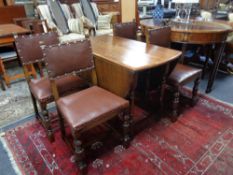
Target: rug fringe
point(10, 156)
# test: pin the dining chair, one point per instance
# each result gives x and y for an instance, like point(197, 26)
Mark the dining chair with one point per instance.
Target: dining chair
point(125, 30)
point(29, 51)
point(181, 75)
point(88, 108)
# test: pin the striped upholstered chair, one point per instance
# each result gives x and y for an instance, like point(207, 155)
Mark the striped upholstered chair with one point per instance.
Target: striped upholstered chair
point(76, 31)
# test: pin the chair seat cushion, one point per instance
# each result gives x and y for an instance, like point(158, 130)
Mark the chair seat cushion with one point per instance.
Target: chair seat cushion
point(182, 74)
point(90, 107)
point(41, 88)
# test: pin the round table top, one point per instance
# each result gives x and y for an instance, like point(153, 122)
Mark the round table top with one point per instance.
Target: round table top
point(194, 32)
point(193, 26)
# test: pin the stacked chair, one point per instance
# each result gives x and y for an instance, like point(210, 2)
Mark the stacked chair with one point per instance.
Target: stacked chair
point(181, 75)
point(77, 25)
point(88, 108)
point(68, 29)
point(29, 51)
point(101, 24)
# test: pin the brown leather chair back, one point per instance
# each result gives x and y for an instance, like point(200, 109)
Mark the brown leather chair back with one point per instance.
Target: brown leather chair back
point(68, 58)
point(29, 46)
point(160, 36)
point(125, 30)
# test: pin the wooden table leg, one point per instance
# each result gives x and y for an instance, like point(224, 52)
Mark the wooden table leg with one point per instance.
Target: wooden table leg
point(184, 47)
point(163, 88)
point(215, 68)
point(132, 91)
point(207, 55)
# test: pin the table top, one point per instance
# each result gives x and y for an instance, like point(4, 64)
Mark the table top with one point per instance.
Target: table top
point(11, 29)
point(193, 26)
point(130, 54)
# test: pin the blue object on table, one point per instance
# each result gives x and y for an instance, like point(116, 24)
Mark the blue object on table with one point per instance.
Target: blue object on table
point(158, 13)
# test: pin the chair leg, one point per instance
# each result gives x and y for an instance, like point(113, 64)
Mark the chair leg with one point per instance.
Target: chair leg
point(47, 122)
point(62, 125)
point(126, 129)
point(175, 104)
point(79, 154)
point(195, 91)
point(6, 77)
point(2, 83)
point(35, 106)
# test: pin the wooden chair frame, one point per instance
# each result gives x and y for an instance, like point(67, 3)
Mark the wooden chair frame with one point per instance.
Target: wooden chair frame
point(44, 116)
point(76, 134)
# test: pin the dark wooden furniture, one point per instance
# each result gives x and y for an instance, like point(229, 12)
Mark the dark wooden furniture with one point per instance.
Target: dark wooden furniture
point(6, 38)
point(125, 30)
point(123, 59)
point(40, 88)
point(88, 108)
point(181, 75)
point(200, 33)
point(8, 13)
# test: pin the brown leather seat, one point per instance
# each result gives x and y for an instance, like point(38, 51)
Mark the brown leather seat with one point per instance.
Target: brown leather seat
point(41, 88)
point(125, 30)
point(88, 108)
point(85, 107)
point(183, 74)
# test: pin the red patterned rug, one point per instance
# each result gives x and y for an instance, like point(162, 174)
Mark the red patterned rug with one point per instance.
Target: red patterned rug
point(200, 142)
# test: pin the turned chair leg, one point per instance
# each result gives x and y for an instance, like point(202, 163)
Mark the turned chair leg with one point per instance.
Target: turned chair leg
point(195, 91)
point(79, 154)
point(47, 122)
point(62, 125)
point(35, 107)
point(175, 104)
point(126, 129)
